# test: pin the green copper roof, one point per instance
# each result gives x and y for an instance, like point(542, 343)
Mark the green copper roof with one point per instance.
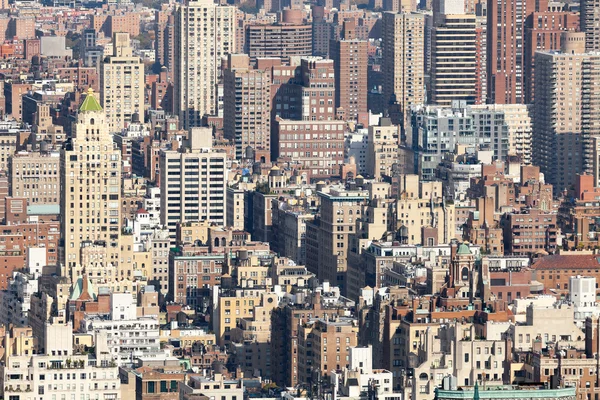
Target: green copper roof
point(78, 289)
point(90, 103)
point(463, 249)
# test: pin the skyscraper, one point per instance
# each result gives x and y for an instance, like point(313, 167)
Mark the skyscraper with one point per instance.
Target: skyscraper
point(122, 83)
point(565, 111)
point(164, 27)
point(505, 46)
point(192, 182)
point(453, 56)
point(590, 23)
point(204, 33)
point(350, 60)
point(246, 107)
point(90, 189)
point(543, 32)
point(403, 62)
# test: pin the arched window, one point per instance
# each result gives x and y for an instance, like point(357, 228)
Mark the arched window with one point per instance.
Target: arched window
point(92, 121)
point(465, 274)
point(216, 242)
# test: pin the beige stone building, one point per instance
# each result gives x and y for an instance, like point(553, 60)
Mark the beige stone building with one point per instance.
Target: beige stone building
point(548, 324)
point(421, 205)
point(91, 189)
point(235, 208)
point(403, 59)
point(36, 176)
point(190, 232)
point(231, 308)
point(43, 129)
point(122, 83)
point(204, 33)
point(327, 235)
point(468, 351)
point(382, 147)
point(289, 230)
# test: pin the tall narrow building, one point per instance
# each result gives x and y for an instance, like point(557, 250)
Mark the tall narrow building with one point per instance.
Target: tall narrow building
point(192, 182)
point(565, 114)
point(505, 48)
point(403, 60)
point(163, 45)
point(542, 33)
point(590, 23)
point(453, 57)
point(122, 83)
point(90, 191)
point(327, 236)
point(204, 33)
point(246, 107)
point(350, 60)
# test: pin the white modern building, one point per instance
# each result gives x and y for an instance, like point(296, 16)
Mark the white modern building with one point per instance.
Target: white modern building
point(360, 378)
point(192, 182)
point(582, 293)
point(58, 373)
point(128, 336)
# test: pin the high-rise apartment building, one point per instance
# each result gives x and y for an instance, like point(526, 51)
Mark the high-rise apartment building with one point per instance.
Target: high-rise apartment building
point(164, 27)
point(383, 148)
point(350, 59)
point(247, 107)
point(327, 236)
point(542, 33)
point(312, 136)
point(322, 32)
point(453, 58)
point(565, 113)
point(505, 46)
point(481, 71)
point(288, 37)
point(204, 33)
point(90, 189)
point(403, 60)
point(122, 83)
point(508, 127)
point(590, 23)
point(192, 182)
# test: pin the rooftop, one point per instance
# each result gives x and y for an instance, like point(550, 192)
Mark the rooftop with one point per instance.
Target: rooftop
point(90, 103)
point(506, 392)
point(570, 261)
